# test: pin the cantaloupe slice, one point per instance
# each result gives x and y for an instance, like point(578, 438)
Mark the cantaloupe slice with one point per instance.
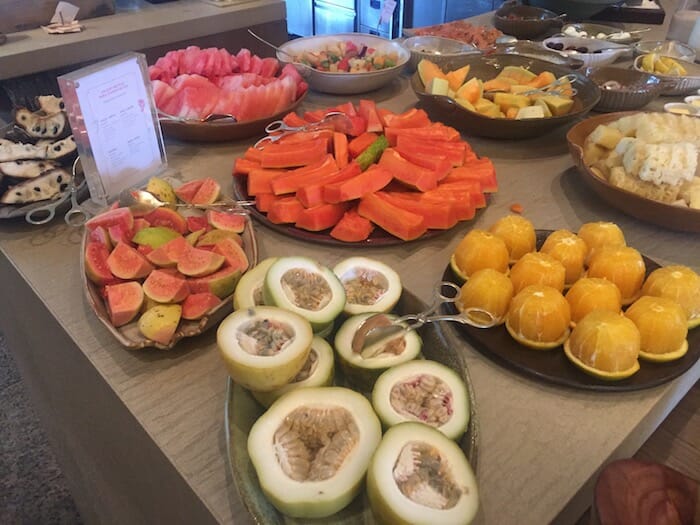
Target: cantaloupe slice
point(472, 90)
point(457, 77)
point(543, 79)
point(498, 84)
point(519, 74)
point(428, 70)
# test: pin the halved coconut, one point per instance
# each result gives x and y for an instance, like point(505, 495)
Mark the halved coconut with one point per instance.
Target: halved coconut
point(419, 476)
point(306, 287)
point(370, 285)
point(249, 290)
point(264, 347)
point(363, 368)
point(311, 449)
point(423, 391)
point(317, 371)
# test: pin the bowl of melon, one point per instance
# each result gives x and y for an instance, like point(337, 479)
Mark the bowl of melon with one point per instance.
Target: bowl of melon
point(212, 95)
point(503, 96)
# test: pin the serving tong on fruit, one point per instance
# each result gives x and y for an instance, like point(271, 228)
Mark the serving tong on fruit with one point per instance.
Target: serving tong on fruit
point(380, 327)
point(142, 201)
point(548, 89)
point(335, 120)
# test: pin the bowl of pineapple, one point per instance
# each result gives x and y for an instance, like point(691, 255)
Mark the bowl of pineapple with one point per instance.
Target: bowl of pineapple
point(642, 163)
point(503, 96)
point(677, 76)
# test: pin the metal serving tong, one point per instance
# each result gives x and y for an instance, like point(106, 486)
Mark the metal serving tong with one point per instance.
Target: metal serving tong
point(76, 216)
point(547, 90)
point(211, 117)
point(379, 327)
point(141, 201)
point(335, 120)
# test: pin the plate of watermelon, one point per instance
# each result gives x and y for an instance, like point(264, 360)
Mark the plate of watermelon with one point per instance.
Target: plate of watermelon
point(191, 84)
point(153, 278)
point(392, 178)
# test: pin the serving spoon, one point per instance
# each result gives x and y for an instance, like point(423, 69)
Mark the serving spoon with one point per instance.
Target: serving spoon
point(273, 46)
point(380, 327)
point(141, 201)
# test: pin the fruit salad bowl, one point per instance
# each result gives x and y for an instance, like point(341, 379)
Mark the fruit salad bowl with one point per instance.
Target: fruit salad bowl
point(302, 52)
point(153, 279)
point(447, 110)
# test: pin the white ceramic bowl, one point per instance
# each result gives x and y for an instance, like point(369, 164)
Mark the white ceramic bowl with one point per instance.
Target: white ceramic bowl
point(693, 100)
point(342, 83)
point(682, 108)
point(608, 53)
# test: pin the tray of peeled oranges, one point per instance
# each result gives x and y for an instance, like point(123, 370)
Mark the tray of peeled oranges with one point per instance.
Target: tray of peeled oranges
point(581, 309)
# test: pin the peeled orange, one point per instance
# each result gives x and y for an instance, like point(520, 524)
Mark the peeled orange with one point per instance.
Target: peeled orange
point(604, 344)
point(663, 328)
point(539, 317)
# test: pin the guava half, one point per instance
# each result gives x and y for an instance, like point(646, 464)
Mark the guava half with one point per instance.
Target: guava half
point(311, 449)
point(418, 476)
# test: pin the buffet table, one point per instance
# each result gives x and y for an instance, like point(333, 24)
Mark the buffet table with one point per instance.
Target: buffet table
point(140, 434)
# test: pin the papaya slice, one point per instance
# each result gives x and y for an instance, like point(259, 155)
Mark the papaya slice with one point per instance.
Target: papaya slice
point(454, 151)
point(436, 216)
point(259, 180)
point(293, 155)
point(285, 210)
point(412, 118)
point(298, 178)
point(312, 194)
point(371, 180)
point(399, 222)
point(352, 227)
point(340, 149)
point(321, 217)
point(361, 143)
point(435, 131)
point(368, 111)
point(243, 166)
point(405, 171)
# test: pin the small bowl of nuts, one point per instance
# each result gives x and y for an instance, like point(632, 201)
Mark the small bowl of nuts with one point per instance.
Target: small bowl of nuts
point(593, 52)
point(623, 89)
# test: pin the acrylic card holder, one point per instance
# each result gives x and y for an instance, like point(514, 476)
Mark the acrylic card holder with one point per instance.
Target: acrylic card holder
point(114, 119)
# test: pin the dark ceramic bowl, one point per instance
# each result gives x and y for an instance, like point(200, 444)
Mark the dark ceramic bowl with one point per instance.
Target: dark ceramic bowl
point(636, 88)
point(669, 216)
point(484, 67)
point(525, 22)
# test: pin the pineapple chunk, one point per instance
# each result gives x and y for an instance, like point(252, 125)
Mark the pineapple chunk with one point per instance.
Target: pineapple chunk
point(508, 100)
point(558, 105)
point(545, 108)
point(438, 86)
point(465, 104)
point(606, 136)
point(530, 112)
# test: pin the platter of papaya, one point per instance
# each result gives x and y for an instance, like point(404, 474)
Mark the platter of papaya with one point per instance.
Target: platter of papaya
point(212, 95)
point(242, 410)
point(156, 276)
point(503, 96)
point(387, 178)
point(633, 199)
point(551, 365)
